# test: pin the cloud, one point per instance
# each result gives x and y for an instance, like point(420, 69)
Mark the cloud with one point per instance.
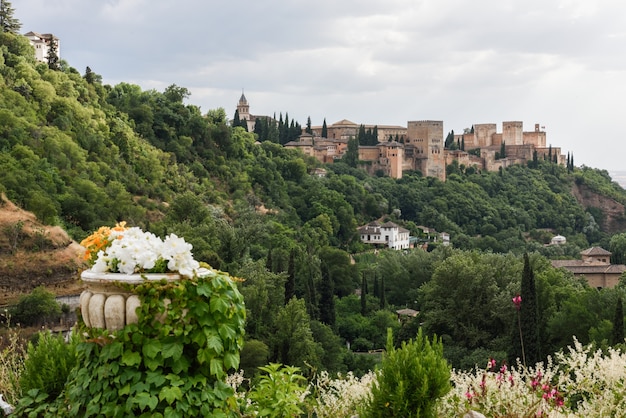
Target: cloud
point(554, 62)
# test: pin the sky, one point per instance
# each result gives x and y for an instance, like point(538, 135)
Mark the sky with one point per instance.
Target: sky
point(559, 63)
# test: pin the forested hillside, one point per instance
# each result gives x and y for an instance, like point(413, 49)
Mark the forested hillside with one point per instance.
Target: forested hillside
point(80, 154)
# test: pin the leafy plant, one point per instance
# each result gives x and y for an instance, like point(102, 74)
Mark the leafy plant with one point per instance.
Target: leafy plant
point(410, 381)
point(278, 393)
point(48, 363)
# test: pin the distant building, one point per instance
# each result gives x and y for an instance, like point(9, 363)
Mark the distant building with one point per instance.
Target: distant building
point(558, 240)
point(595, 266)
point(388, 234)
point(41, 42)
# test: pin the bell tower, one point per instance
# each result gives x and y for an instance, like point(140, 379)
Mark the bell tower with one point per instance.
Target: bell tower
point(243, 108)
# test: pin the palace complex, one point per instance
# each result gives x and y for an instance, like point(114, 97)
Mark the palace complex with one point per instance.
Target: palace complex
point(421, 145)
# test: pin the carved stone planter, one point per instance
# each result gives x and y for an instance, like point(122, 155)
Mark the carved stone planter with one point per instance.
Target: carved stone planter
point(105, 304)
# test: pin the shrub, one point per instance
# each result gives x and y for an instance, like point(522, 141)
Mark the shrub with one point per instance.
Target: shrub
point(410, 381)
point(39, 306)
point(48, 363)
point(278, 393)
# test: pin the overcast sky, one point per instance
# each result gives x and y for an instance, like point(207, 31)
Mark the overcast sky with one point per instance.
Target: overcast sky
point(559, 63)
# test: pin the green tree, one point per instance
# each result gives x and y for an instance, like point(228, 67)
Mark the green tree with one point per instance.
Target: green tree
point(290, 284)
point(351, 157)
point(528, 313)
point(308, 129)
point(294, 341)
point(617, 336)
point(53, 54)
point(324, 129)
point(36, 307)
point(327, 297)
point(8, 23)
point(617, 246)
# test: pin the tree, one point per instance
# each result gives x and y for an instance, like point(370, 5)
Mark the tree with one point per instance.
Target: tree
point(308, 129)
point(528, 313)
point(324, 130)
point(327, 297)
point(351, 157)
point(39, 306)
point(290, 284)
point(53, 54)
point(617, 247)
point(617, 336)
point(7, 22)
point(294, 339)
point(363, 294)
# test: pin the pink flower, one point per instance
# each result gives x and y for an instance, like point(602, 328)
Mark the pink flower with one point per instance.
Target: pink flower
point(517, 301)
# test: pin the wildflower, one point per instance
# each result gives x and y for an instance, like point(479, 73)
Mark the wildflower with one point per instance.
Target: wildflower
point(517, 301)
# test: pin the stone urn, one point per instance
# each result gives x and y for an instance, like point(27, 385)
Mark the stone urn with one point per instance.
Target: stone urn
point(107, 305)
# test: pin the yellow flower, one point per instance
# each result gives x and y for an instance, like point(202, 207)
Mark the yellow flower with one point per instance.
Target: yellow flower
point(99, 240)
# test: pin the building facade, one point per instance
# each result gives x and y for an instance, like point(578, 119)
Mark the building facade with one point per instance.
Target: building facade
point(42, 44)
point(388, 234)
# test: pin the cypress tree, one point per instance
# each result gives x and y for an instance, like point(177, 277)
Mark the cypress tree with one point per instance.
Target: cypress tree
point(617, 336)
point(528, 317)
point(376, 292)
point(361, 136)
point(383, 298)
point(324, 130)
point(53, 54)
point(290, 284)
point(269, 263)
point(236, 120)
point(375, 135)
point(308, 129)
point(327, 298)
point(363, 294)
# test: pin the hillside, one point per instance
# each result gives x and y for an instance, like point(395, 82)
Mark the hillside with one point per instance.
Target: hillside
point(33, 254)
point(78, 154)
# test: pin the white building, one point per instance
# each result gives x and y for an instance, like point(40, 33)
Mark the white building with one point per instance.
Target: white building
point(388, 234)
point(41, 43)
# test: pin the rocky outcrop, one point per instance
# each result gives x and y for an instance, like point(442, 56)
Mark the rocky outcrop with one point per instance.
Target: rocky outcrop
point(614, 220)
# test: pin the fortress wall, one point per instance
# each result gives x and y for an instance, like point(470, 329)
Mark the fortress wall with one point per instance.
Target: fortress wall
point(538, 139)
point(368, 153)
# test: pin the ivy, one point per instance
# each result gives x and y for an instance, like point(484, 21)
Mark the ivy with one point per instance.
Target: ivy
point(172, 363)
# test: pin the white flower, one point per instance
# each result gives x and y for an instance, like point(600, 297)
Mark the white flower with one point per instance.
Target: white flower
point(134, 251)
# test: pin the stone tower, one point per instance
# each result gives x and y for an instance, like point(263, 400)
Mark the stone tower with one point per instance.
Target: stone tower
point(512, 133)
point(243, 108)
point(426, 136)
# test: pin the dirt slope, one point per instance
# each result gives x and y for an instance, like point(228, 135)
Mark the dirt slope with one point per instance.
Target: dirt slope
point(33, 254)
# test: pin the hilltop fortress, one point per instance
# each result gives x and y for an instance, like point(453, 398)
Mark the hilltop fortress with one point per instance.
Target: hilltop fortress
point(421, 146)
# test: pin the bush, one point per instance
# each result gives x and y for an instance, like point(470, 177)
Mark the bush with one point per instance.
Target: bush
point(410, 381)
point(278, 392)
point(48, 363)
point(39, 306)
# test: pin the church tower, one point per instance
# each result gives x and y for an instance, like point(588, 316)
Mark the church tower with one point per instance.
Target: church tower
point(243, 109)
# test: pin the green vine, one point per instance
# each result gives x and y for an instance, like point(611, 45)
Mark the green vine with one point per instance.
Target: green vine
point(173, 363)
